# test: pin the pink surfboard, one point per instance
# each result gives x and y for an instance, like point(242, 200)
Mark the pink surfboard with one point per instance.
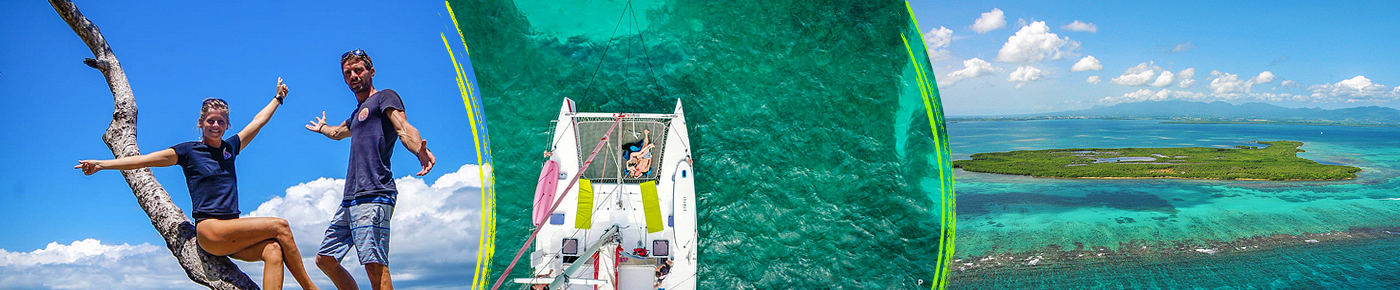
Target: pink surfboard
point(544, 191)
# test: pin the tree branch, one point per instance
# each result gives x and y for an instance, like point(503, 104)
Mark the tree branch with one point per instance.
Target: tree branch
point(178, 231)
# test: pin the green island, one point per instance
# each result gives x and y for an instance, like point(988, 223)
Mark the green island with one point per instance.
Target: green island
point(1277, 160)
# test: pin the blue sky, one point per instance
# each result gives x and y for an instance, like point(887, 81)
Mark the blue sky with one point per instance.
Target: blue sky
point(1315, 52)
point(175, 55)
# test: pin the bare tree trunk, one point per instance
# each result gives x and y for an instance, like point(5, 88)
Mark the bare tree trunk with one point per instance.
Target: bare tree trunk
point(178, 231)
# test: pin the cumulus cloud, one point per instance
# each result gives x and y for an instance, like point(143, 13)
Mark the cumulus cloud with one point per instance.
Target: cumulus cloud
point(1355, 89)
point(1087, 63)
point(1137, 75)
point(1094, 80)
point(989, 21)
point(1185, 77)
point(433, 242)
point(1024, 75)
point(90, 264)
point(1163, 80)
point(435, 227)
point(1263, 78)
point(1080, 26)
point(936, 42)
point(1168, 94)
point(1230, 87)
point(1149, 95)
point(1034, 43)
point(1226, 83)
point(972, 68)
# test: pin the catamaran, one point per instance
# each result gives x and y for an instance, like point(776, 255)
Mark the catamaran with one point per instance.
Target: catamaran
point(621, 216)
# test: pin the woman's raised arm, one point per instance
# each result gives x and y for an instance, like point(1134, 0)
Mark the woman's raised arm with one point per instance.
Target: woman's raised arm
point(246, 135)
point(161, 158)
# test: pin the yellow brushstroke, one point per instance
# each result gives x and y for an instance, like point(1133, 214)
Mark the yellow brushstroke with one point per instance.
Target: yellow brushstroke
point(486, 237)
point(946, 241)
point(950, 207)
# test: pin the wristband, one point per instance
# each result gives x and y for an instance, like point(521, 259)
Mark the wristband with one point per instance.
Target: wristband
point(279, 98)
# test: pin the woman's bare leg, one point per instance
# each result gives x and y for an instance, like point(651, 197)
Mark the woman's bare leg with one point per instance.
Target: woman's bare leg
point(270, 252)
point(225, 237)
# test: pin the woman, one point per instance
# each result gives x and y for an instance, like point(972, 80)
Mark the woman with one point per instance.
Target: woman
point(210, 175)
point(639, 155)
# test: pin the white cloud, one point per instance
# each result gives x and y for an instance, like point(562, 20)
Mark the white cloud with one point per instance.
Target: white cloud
point(972, 68)
point(1034, 43)
point(90, 264)
point(435, 227)
point(1263, 78)
point(1137, 75)
point(936, 42)
point(1080, 26)
point(1186, 77)
point(1230, 87)
point(433, 242)
point(989, 21)
point(1291, 84)
point(1160, 95)
point(1087, 63)
point(1180, 47)
point(1133, 79)
point(1094, 80)
point(1163, 80)
point(1225, 83)
point(1024, 75)
point(1355, 89)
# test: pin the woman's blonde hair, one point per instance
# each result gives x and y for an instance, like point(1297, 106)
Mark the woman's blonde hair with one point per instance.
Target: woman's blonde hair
point(211, 104)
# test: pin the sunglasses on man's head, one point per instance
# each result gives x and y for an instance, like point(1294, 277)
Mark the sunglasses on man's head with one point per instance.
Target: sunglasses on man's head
point(357, 53)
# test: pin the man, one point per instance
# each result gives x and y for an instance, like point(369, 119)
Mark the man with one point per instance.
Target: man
point(362, 221)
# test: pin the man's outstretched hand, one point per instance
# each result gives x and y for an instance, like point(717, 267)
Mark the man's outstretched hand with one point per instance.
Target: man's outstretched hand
point(425, 158)
point(318, 123)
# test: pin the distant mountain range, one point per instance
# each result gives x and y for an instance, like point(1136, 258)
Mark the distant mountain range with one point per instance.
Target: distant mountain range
point(1222, 112)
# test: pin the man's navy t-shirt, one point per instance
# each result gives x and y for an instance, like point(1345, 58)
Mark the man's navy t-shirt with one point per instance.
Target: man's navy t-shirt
point(372, 138)
point(210, 175)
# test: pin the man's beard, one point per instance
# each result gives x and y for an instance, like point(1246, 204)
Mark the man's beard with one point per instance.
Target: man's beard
point(360, 88)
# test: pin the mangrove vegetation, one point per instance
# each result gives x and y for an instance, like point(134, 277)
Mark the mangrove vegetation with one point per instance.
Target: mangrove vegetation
point(1275, 160)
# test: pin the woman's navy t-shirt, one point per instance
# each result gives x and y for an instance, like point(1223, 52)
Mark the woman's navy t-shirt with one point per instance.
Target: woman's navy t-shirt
point(210, 175)
point(372, 138)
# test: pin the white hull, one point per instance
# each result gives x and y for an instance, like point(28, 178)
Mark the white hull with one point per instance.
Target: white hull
point(620, 202)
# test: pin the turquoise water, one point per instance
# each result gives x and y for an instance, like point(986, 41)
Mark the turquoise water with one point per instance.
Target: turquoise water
point(1168, 233)
point(794, 108)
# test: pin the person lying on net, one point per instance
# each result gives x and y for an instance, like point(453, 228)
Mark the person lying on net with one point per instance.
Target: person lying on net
point(639, 155)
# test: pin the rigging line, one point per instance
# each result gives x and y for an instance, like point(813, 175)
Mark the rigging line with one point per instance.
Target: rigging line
point(626, 66)
point(617, 119)
point(573, 124)
point(605, 54)
point(614, 152)
point(596, 206)
point(644, 50)
point(684, 141)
